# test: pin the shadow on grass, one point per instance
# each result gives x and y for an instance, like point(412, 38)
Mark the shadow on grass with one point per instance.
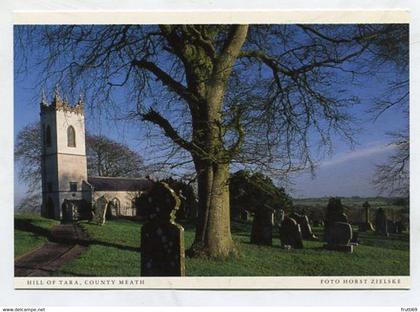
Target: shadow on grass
point(118, 246)
point(86, 241)
point(26, 225)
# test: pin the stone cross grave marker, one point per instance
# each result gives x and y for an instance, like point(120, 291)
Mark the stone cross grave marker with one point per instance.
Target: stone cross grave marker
point(162, 240)
point(367, 225)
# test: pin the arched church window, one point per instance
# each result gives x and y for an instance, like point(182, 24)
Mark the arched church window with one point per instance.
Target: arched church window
point(71, 137)
point(48, 136)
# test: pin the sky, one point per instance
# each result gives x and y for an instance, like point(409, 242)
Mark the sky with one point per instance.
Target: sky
point(347, 171)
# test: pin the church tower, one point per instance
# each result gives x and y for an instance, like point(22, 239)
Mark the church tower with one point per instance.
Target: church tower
point(63, 165)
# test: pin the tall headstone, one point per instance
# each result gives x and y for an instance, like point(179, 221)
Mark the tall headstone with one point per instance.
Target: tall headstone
point(305, 227)
point(99, 211)
point(162, 239)
point(262, 226)
point(340, 240)
point(289, 230)
point(335, 213)
point(381, 224)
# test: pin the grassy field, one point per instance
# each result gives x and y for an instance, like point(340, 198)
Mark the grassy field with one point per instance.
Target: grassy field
point(115, 251)
point(31, 232)
point(351, 202)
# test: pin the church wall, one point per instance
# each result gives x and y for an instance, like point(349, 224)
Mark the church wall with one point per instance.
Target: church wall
point(127, 207)
point(64, 120)
point(72, 169)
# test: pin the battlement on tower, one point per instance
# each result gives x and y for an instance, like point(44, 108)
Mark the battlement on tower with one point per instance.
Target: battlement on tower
point(58, 104)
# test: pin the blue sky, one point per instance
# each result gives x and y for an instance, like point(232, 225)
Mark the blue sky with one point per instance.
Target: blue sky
point(348, 171)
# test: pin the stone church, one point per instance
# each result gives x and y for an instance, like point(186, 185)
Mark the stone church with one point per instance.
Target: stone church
point(64, 168)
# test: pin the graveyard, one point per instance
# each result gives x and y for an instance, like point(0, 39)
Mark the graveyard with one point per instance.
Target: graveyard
point(224, 125)
point(115, 250)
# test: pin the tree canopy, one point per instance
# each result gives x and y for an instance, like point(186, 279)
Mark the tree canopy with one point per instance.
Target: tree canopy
point(105, 157)
point(253, 191)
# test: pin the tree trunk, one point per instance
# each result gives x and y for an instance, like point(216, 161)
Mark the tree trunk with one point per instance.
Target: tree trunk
point(213, 238)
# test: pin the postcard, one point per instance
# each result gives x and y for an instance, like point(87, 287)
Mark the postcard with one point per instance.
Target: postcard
point(211, 150)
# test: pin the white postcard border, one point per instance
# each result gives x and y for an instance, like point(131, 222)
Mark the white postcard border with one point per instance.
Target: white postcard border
point(213, 17)
point(241, 282)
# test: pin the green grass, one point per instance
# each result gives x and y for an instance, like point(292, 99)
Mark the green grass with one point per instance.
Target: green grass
point(114, 252)
point(30, 232)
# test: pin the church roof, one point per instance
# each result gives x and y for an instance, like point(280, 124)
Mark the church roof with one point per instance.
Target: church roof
point(119, 184)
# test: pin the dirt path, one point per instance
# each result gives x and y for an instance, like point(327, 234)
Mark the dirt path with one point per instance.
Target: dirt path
point(67, 242)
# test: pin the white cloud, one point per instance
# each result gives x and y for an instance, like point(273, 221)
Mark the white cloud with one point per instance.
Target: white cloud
point(356, 154)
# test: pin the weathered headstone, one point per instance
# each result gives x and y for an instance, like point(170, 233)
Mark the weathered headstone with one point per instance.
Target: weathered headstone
point(335, 213)
point(262, 227)
point(99, 209)
point(289, 231)
point(162, 240)
point(381, 224)
point(341, 235)
point(305, 227)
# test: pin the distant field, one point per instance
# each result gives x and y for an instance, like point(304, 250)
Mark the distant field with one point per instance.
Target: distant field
point(353, 202)
point(115, 252)
point(315, 208)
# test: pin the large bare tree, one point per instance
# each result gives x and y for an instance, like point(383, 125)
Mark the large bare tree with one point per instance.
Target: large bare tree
point(254, 95)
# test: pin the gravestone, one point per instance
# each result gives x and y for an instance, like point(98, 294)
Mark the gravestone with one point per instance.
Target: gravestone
point(289, 231)
point(99, 210)
point(335, 213)
point(381, 224)
point(162, 240)
point(341, 235)
point(305, 227)
point(366, 225)
point(262, 226)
